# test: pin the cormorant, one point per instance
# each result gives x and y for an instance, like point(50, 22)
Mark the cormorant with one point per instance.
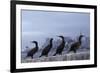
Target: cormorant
point(76, 45)
point(33, 50)
point(61, 46)
point(47, 48)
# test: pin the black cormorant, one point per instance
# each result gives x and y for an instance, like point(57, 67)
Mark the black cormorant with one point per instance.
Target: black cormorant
point(33, 50)
point(47, 48)
point(61, 46)
point(76, 45)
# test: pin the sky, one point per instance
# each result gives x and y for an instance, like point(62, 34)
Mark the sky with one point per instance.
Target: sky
point(39, 25)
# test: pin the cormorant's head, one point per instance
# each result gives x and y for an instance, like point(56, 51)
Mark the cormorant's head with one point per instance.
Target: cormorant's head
point(34, 42)
point(51, 39)
point(81, 35)
point(61, 37)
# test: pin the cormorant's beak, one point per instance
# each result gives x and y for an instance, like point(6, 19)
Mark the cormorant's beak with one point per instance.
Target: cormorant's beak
point(83, 36)
point(51, 38)
point(32, 41)
point(58, 36)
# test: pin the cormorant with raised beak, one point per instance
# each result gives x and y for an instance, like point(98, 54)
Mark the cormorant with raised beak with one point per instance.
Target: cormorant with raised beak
point(60, 47)
point(76, 45)
point(47, 48)
point(33, 50)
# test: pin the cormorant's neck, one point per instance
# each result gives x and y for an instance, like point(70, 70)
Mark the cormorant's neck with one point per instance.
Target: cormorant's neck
point(80, 39)
point(51, 43)
point(63, 41)
point(36, 45)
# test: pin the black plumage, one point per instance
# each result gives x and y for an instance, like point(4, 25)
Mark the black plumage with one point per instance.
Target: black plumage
point(33, 50)
point(60, 47)
point(47, 48)
point(76, 45)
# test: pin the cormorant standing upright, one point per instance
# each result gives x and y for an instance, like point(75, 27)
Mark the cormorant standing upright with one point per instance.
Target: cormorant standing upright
point(47, 48)
point(33, 50)
point(76, 45)
point(60, 47)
